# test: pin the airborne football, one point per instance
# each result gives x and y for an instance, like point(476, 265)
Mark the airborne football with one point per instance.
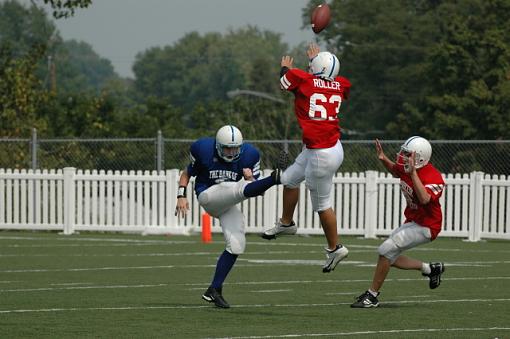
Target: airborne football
point(320, 18)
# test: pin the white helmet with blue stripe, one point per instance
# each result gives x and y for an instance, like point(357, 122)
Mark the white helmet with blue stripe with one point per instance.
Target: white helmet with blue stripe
point(325, 65)
point(228, 143)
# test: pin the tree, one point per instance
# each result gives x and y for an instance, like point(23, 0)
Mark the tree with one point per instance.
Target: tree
point(200, 69)
point(436, 68)
point(468, 94)
point(35, 62)
point(65, 8)
point(79, 68)
point(381, 45)
point(20, 94)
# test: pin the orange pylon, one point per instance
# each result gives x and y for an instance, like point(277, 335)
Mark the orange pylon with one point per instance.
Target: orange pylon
point(206, 228)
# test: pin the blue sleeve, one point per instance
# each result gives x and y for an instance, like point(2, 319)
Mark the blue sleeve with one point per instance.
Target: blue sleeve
point(252, 156)
point(256, 166)
point(192, 168)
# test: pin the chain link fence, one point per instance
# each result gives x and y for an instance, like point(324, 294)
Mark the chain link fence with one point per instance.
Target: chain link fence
point(158, 153)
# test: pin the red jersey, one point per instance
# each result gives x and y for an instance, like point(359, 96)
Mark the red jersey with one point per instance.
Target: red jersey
point(316, 105)
point(429, 215)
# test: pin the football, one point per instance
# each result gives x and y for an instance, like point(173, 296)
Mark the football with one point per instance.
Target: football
point(320, 17)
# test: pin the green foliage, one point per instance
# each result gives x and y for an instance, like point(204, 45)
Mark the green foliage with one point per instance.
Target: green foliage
point(62, 88)
point(381, 45)
point(23, 28)
point(437, 68)
point(20, 94)
point(470, 68)
point(79, 68)
point(80, 116)
point(65, 8)
point(199, 69)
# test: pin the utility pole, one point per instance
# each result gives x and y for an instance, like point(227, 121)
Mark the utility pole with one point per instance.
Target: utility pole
point(53, 74)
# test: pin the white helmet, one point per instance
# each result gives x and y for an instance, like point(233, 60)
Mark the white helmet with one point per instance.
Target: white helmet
point(228, 143)
point(325, 65)
point(419, 145)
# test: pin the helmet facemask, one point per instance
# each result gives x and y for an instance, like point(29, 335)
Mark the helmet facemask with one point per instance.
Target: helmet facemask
point(228, 153)
point(422, 150)
point(228, 143)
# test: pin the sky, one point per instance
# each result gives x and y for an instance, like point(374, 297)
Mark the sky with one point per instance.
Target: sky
point(119, 29)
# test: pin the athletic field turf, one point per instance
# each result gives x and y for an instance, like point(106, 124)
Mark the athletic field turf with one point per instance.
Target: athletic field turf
point(96, 285)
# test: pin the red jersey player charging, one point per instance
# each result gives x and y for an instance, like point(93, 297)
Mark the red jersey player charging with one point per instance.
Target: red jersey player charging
point(422, 185)
point(318, 96)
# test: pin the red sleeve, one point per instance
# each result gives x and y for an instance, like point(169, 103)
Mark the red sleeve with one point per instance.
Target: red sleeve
point(292, 79)
point(434, 184)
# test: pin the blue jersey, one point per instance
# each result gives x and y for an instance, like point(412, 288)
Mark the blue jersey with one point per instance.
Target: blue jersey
point(209, 169)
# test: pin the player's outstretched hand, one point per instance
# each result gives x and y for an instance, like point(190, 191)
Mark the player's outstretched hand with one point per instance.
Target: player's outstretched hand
point(313, 50)
point(287, 61)
point(182, 207)
point(379, 150)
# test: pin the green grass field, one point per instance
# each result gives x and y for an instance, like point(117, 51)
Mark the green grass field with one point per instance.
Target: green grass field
point(97, 285)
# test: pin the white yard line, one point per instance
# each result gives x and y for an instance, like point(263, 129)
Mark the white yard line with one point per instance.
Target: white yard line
point(215, 254)
point(74, 286)
point(121, 308)
point(131, 242)
point(243, 263)
point(328, 281)
point(45, 289)
point(336, 334)
point(99, 239)
point(273, 291)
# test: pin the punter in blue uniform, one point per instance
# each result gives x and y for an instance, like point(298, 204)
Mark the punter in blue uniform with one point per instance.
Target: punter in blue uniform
point(227, 172)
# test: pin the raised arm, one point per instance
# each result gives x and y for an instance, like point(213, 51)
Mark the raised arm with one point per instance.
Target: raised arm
point(387, 163)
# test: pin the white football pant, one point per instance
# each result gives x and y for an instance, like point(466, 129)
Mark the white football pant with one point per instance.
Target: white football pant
point(219, 201)
point(407, 236)
point(317, 167)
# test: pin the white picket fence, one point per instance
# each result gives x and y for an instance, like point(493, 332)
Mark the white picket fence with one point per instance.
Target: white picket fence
point(368, 204)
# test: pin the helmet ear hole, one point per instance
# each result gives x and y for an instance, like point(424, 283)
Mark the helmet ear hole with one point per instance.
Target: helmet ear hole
point(228, 143)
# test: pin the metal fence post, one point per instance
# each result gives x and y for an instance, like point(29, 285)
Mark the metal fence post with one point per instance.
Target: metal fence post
point(371, 204)
point(33, 149)
point(159, 151)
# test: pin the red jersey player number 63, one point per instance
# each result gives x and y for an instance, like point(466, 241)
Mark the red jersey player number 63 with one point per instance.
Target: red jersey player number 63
point(317, 101)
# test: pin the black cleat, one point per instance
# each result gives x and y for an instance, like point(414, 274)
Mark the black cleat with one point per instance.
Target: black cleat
point(276, 175)
point(366, 300)
point(436, 269)
point(283, 161)
point(214, 295)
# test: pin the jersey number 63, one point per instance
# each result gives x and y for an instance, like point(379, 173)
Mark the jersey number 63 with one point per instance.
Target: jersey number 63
point(317, 101)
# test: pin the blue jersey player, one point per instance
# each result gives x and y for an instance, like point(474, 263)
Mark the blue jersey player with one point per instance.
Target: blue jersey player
point(226, 172)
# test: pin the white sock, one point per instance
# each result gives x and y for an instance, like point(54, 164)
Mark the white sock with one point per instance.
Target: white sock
point(425, 268)
point(375, 294)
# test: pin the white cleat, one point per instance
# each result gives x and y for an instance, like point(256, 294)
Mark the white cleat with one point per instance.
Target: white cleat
point(334, 257)
point(279, 229)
